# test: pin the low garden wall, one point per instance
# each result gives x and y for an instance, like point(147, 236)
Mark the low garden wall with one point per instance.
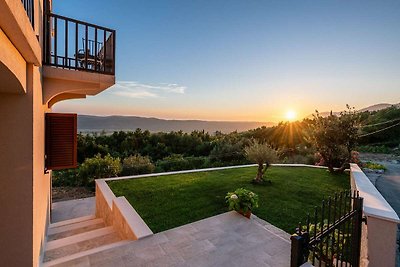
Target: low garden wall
point(117, 212)
point(379, 234)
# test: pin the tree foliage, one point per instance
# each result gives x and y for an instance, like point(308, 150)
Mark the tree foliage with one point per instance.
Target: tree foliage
point(326, 140)
point(335, 137)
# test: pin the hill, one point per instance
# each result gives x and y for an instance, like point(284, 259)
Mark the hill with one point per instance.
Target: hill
point(375, 107)
point(87, 123)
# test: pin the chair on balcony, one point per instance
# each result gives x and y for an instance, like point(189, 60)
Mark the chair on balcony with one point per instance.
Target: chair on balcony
point(87, 59)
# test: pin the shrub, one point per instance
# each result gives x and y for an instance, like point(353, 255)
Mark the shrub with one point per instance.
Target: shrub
point(175, 162)
point(375, 149)
point(373, 166)
point(300, 159)
point(98, 167)
point(69, 177)
point(197, 162)
point(137, 164)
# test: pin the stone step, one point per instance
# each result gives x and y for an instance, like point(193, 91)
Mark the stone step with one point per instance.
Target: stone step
point(82, 242)
point(64, 260)
point(78, 238)
point(76, 231)
point(76, 225)
point(72, 221)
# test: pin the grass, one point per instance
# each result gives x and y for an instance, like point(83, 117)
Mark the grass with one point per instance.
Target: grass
point(165, 202)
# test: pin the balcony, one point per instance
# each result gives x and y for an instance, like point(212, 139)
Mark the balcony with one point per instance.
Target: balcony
point(78, 59)
point(30, 11)
point(77, 45)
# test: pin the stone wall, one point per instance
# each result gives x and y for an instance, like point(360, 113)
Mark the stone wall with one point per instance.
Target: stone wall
point(378, 242)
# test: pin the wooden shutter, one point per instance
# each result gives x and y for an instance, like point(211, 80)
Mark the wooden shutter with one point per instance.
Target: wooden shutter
point(61, 143)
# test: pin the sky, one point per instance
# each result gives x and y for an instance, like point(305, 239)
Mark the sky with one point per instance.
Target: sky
point(243, 60)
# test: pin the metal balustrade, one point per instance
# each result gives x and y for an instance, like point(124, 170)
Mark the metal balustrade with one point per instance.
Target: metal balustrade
point(78, 45)
point(29, 6)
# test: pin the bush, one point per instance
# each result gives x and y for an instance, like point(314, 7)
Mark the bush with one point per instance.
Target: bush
point(373, 166)
point(375, 149)
point(69, 177)
point(300, 159)
point(137, 164)
point(197, 162)
point(177, 162)
point(98, 167)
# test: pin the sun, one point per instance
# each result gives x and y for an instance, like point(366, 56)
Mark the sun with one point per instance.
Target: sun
point(291, 115)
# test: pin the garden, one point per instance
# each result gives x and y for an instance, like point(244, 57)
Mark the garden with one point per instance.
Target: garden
point(169, 201)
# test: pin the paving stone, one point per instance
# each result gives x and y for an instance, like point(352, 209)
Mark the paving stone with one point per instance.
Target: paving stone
point(65, 210)
point(81, 262)
point(228, 239)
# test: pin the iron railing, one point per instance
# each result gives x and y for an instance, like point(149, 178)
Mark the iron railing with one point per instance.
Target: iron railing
point(78, 45)
point(332, 237)
point(29, 6)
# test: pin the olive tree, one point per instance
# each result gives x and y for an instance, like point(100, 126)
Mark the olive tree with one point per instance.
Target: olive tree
point(261, 154)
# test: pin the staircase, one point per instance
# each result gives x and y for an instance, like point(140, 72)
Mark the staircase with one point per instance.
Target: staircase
point(79, 237)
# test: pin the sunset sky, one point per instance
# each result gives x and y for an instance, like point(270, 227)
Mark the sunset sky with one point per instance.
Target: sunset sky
point(244, 60)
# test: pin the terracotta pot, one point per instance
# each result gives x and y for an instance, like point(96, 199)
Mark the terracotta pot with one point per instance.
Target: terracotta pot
point(247, 214)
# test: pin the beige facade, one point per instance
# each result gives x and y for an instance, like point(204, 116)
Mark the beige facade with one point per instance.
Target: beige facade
point(28, 89)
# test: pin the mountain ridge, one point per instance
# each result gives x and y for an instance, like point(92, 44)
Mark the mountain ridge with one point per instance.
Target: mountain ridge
point(93, 123)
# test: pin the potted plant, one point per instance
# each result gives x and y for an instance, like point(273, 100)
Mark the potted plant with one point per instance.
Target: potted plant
point(243, 201)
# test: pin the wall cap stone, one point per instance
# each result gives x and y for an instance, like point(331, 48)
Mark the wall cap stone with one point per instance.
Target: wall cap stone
point(375, 205)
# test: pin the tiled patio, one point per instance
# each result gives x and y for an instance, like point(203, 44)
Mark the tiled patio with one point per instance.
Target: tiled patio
point(227, 239)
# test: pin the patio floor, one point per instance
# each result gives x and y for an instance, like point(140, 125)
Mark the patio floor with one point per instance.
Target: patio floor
point(228, 239)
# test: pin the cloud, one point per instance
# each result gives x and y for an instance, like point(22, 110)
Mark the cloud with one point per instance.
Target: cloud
point(134, 89)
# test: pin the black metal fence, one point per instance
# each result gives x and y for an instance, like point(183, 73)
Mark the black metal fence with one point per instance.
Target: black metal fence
point(29, 6)
point(332, 236)
point(74, 44)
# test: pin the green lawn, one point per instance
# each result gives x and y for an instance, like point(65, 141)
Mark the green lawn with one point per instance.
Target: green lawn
point(165, 202)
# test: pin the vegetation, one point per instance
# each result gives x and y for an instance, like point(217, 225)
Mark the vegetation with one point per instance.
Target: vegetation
point(260, 154)
point(334, 138)
point(321, 140)
point(165, 202)
point(374, 149)
point(242, 200)
point(373, 166)
point(378, 120)
point(137, 164)
point(99, 167)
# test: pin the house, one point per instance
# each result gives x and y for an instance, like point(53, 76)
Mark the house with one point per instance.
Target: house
point(44, 58)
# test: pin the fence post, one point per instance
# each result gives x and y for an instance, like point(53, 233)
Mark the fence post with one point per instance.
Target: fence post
point(356, 235)
point(298, 247)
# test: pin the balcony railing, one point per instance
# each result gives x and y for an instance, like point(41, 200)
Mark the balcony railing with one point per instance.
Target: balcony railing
point(78, 45)
point(30, 11)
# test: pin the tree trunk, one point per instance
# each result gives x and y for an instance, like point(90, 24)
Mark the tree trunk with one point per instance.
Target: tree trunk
point(331, 169)
point(260, 173)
